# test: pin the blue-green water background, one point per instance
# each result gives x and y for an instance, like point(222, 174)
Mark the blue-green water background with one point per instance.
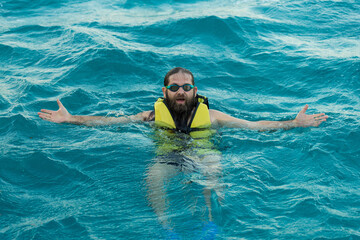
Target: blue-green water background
point(254, 60)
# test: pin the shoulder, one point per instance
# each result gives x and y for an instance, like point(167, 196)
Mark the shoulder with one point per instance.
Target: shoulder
point(223, 119)
point(216, 116)
point(146, 116)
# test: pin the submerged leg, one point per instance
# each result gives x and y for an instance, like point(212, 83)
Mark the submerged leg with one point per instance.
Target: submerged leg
point(212, 171)
point(157, 177)
point(207, 195)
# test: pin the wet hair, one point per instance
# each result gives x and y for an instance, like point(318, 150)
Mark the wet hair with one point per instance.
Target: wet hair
point(177, 70)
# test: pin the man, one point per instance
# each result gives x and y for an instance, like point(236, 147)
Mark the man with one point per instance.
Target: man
point(179, 95)
point(182, 110)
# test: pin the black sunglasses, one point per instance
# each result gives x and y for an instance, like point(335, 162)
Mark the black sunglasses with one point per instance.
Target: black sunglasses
point(175, 87)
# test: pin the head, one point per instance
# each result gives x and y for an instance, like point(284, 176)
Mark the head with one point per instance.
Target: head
point(181, 101)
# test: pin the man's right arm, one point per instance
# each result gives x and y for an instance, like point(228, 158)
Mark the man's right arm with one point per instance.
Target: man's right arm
point(63, 116)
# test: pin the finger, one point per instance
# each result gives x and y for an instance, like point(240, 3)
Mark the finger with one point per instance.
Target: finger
point(321, 117)
point(44, 116)
point(47, 111)
point(318, 115)
point(59, 103)
point(319, 122)
point(304, 109)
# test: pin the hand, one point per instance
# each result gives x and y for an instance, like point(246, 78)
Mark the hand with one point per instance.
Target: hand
point(304, 120)
point(59, 116)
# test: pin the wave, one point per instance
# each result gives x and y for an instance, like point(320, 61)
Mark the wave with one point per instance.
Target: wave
point(256, 60)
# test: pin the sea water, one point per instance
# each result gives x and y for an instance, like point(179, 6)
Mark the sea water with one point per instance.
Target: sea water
point(255, 60)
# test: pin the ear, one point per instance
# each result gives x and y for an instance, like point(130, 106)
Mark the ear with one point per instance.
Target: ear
point(164, 91)
point(195, 90)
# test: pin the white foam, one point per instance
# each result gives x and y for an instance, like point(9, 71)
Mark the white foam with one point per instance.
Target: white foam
point(313, 46)
point(108, 14)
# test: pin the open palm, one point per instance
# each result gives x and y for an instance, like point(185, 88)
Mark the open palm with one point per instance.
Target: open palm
point(305, 120)
point(59, 116)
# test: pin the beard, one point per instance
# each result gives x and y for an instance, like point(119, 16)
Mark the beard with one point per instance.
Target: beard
point(180, 112)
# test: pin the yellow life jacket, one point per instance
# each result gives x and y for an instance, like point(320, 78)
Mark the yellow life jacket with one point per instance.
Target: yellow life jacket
point(200, 119)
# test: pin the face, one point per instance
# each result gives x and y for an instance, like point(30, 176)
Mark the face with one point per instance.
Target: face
point(180, 101)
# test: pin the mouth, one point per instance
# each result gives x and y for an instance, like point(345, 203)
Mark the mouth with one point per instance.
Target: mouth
point(180, 100)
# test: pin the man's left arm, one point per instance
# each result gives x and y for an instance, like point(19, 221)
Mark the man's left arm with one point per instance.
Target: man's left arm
point(302, 120)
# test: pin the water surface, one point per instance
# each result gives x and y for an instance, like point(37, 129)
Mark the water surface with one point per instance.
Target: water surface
point(253, 59)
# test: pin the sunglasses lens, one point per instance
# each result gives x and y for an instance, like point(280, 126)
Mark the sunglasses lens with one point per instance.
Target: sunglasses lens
point(173, 88)
point(187, 88)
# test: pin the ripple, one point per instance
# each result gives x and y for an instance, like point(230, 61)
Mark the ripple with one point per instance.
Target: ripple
point(4, 104)
point(256, 60)
point(333, 48)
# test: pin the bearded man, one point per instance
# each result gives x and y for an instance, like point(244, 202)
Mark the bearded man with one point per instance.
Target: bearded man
point(182, 110)
point(180, 97)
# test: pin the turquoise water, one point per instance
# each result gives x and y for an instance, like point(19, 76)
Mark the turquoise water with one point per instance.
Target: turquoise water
point(253, 59)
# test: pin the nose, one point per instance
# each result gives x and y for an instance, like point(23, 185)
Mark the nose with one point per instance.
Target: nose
point(180, 90)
